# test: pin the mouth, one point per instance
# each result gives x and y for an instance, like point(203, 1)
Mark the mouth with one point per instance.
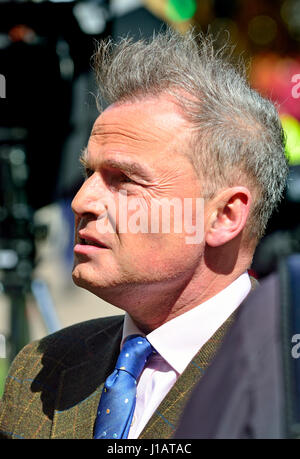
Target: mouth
point(86, 244)
point(92, 242)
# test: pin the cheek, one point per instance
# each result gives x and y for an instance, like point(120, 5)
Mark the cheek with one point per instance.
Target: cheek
point(164, 253)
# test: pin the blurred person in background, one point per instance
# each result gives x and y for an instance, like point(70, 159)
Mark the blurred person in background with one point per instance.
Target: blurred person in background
point(182, 122)
point(251, 389)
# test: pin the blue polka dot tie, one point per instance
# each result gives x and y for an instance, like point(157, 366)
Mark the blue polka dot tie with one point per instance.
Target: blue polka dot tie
point(117, 403)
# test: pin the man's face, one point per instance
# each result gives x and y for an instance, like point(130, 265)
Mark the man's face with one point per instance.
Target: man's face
point(134, 161)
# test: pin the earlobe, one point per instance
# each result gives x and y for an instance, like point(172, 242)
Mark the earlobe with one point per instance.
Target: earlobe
point(230, 216)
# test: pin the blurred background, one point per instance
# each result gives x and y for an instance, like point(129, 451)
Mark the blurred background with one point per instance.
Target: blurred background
point(47, 108)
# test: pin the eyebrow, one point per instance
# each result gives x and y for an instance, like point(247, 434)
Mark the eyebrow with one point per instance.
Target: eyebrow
point(128, 166)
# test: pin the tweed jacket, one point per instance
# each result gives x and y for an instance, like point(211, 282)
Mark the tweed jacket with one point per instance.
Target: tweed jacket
point(54, 385)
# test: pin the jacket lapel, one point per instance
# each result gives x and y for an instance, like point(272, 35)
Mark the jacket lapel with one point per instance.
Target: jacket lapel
point(81, 386)
point(165, 419)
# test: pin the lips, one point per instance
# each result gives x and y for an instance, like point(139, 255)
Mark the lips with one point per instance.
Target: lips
point(89, 240)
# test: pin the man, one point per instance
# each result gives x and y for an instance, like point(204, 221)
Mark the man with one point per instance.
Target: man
point(182, 128)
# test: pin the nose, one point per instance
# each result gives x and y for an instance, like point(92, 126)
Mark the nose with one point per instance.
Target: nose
point(89, 198)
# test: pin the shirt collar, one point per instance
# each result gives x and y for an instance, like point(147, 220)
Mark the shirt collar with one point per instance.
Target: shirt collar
point(178, 340)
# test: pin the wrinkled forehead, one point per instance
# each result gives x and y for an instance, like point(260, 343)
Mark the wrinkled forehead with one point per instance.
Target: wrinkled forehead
point(150, 119)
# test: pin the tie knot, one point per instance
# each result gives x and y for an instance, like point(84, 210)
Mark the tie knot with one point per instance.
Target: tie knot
point(134, 355)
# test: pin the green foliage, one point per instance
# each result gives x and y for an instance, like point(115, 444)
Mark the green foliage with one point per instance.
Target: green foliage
point(180, 10)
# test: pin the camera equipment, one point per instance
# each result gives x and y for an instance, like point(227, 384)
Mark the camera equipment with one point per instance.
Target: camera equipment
point(18, 234)
point(283, 234)
point(34, 120)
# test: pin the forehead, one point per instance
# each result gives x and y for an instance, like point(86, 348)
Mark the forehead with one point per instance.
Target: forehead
point(147, 127)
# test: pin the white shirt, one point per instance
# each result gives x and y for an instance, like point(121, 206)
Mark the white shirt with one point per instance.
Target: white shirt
point(177, 342)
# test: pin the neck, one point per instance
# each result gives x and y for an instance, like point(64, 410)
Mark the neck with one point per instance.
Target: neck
point(189, 298)
point(151, 306)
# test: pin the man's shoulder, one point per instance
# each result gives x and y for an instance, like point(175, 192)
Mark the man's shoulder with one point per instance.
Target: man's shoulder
point(69, 345)
point(40, 368)
point(84, 330)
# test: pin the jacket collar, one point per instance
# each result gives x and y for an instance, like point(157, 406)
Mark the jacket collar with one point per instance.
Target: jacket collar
point(80, 386)
point(165, 419)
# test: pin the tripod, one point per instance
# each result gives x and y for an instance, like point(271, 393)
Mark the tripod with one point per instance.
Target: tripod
point(18, 235)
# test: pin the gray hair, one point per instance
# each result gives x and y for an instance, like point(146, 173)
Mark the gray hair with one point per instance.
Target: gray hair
point(237, 137)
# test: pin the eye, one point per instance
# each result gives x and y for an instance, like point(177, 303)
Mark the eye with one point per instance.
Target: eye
point(125, 179)
point(118, 178)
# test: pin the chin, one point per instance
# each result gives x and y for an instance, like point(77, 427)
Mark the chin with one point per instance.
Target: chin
point(78, 279)
point(86, 278)
point(82, 277)
point(86, 284)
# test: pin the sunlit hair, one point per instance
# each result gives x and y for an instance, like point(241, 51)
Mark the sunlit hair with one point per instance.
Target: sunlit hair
point(236, 135)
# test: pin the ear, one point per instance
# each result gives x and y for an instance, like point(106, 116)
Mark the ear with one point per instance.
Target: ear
point(228, 213)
